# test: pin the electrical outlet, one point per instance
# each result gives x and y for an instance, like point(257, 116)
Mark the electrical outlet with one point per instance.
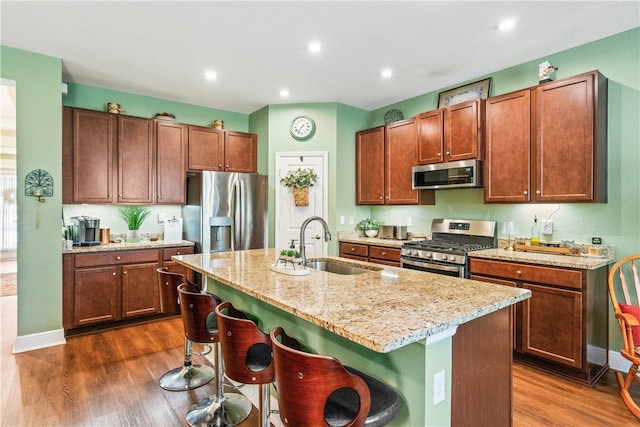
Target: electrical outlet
point(409, 222)
point(351, 221)
point(342, 219)
point(438, 387)
point(161, 218)
point(547, 226)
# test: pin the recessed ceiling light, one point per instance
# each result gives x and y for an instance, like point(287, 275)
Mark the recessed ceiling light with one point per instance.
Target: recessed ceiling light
point(211, 75)
point(284, 93)
point(507, 25)
point(386, 73)
point(315, 47)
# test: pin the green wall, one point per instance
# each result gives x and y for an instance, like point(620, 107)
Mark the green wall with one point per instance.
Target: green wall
point(38, 142)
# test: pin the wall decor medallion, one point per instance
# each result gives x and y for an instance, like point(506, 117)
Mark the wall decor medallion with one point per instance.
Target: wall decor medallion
point(468, 92)
point(393, 115)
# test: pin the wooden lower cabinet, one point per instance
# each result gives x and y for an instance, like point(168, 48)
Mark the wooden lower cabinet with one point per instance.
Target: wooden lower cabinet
point(95, 296)
point(384, 255)
point(354, 251)
point(169, 295)
point(563, 327)
point(105, 289)
point(371, 253)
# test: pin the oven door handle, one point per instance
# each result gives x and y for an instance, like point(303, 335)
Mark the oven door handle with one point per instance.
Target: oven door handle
point(432, 266)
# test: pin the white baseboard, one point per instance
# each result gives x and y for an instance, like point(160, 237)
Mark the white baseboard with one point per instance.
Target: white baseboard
point(40, 340)
point(617, 362)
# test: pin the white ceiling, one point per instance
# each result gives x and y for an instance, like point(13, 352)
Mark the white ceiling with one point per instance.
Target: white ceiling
point(163, 48)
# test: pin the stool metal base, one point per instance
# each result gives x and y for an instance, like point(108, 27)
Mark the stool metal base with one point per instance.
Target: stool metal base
point(230, 410)
point(187, 377)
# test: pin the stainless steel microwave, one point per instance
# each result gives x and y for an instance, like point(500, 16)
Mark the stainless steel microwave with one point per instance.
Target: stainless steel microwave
point(439, 176)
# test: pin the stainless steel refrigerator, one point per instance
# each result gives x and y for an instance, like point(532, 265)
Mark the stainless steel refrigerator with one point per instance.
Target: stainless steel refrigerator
point(226, 211)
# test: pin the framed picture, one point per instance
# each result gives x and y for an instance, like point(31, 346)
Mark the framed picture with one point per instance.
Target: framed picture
point(479, 89)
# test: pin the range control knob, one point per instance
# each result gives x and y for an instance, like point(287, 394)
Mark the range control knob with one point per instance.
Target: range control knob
point(414, 253)
point(452, 257)
point(444, 257)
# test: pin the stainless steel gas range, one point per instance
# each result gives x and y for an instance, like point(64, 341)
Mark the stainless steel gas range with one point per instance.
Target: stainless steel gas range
point(451, 241)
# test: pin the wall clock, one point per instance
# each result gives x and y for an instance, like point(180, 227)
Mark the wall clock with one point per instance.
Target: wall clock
point(302, 128)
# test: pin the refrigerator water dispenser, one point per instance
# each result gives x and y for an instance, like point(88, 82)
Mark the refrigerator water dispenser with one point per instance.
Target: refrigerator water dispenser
point(221, 232)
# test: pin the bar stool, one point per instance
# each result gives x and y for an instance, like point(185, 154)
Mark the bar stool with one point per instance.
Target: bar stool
point(188, 376)
point(316, 390)
point(246, 352)
point(199, 317)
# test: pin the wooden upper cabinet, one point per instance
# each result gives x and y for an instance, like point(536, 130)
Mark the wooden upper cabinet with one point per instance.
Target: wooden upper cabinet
point(88, 156)
point(571, 139)
point(135, 160)
point(463, 136)
point(220, 150)
point(508, 148)
point(451, 133)
point(171, 150)
point(384, 158)
point(548, 143)
point(240, 152)
point(401, 155)
point(370, 162)
point(206, 149)
point(430, 137)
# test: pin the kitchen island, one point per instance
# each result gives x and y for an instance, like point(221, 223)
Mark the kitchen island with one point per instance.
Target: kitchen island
point(404, 327)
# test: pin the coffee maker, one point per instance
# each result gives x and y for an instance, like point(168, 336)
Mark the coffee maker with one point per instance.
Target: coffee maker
point(85, 231)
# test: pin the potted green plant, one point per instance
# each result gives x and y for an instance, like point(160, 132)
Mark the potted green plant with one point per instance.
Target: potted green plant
point(134, 216)
point(369, 226)
point(299, 181)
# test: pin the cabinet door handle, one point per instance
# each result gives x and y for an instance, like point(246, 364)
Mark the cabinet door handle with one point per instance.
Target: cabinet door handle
point(525, 192)
point(178, 253)
point(227, 166)
point(519, 273)
point(219, 165)
point(447, 153)
point(118, 257)
point(538, 192)
point(353, 249)
point(384, 253)
point(113, 274)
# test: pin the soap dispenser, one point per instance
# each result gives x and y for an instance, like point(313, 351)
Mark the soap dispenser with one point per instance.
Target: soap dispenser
point(535, 232)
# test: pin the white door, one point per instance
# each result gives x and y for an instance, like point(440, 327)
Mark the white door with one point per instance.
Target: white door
point(288, 217)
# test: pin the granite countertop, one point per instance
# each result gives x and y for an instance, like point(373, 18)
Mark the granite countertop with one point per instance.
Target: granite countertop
point(580, 261)
point(143, 244)
point(391, 243)
point(383, 310)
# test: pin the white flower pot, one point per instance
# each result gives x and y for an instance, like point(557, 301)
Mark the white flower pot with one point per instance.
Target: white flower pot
point(133, 236)
point(371, 233)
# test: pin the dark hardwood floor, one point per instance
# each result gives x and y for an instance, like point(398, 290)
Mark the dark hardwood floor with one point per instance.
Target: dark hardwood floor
point(111, 379)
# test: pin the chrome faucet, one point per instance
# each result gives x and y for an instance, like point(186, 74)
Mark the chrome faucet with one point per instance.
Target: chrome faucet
point(303, 228)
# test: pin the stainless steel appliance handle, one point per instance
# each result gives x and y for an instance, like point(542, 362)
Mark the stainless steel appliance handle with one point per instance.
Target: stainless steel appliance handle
point(431, 266)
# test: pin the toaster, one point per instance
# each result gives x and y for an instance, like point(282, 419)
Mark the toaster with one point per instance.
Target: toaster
point(397, 232)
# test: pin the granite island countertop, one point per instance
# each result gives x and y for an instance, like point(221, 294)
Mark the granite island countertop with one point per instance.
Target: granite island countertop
point(143, 244)
point(383, 310)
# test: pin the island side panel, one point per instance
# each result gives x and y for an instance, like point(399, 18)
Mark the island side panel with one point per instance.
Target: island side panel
point(482, 378)
point(404, 369)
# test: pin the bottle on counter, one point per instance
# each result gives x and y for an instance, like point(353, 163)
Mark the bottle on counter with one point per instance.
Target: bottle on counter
point(535, 232)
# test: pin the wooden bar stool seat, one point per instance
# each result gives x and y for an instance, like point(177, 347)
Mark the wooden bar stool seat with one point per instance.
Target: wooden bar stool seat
point(246, 353)
point(199, 318)
point(315, 390)
point(188, 376)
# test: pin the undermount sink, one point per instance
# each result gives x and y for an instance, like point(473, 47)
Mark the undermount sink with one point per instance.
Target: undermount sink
point(338, 268)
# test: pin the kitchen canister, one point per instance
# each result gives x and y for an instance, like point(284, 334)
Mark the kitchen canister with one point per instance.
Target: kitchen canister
point(105, 235)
